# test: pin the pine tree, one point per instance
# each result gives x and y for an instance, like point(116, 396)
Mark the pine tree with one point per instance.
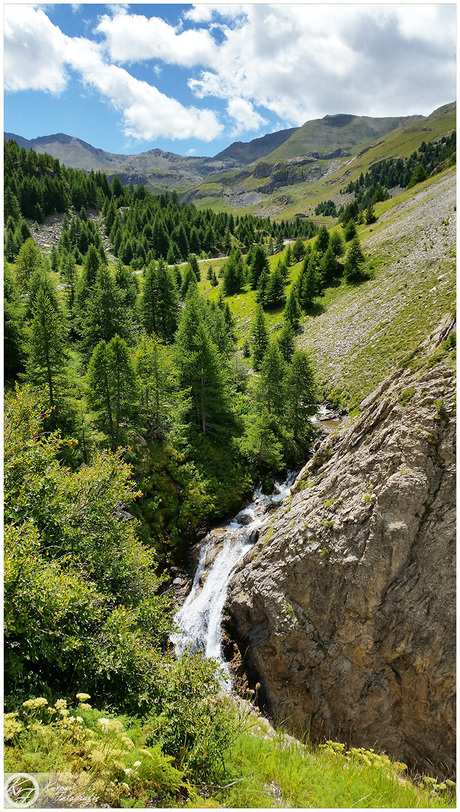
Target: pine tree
point(201, 372)
point(193, 262)
point(46, 347)
point(292, 312)
point(274, 293)
point(301, 397)
point(258, 265)
point(158, 379)
point(336, 243)
point(353, 269)
point(189, 279)
point(298, 249)
point(88, 277)
point(105, 315)
point(350, 231)
point(322, 240)
point(271, 390)
point(286, 342)
point(127, 283)
point(259, 338)
point(233, 273)
point(28, 261)
point(262, 287)
point(160, 302)
point(309, 282)
point(112, 387)
point(328, 266)
point(260, 445)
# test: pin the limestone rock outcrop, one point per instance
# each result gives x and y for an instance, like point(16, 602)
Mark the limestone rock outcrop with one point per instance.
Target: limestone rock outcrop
point(344, 609)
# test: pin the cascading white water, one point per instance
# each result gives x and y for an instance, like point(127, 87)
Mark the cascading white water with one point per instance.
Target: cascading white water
point(199, 619)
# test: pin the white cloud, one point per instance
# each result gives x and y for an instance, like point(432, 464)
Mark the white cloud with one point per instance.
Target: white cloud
point(298, 61)
point(36, 53)
point(147, 112)
point(34, 50)
point(303, 61)
point(133, 37)
point(245, 117)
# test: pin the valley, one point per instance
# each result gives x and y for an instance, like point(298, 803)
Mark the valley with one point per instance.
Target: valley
point(167, 346)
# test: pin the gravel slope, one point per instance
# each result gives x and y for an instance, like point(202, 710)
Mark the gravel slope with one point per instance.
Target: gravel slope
point(365, 331)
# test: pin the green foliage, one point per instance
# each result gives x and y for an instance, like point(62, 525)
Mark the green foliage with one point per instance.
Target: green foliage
point(28, 261)
point(112, 388)
point(157, 374)
point(160, 301)
point(202, 373)
point(353, 268)
point(233, 273)
point(194, 723)
point(259, 338)
point(97, 761)
point(45, 346)
point(12, 327)
point(80, 593)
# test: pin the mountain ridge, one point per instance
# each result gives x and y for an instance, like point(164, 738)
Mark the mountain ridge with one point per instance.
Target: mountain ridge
point(299, 155)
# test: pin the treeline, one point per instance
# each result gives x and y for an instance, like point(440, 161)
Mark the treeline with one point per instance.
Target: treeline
point(404, 172)
point(372, 187)
point(140, 226)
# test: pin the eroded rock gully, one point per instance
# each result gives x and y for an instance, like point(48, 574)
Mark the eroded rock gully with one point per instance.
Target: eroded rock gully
point(345, 607)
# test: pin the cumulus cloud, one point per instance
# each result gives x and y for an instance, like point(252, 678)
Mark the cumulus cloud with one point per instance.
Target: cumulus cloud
point(133, 37)
point(302, 61)
point(28, 36)
point(245, 117)
point(295, 61)
point(147, 113)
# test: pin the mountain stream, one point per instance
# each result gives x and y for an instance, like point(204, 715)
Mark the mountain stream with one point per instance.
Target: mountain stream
point(199, 619)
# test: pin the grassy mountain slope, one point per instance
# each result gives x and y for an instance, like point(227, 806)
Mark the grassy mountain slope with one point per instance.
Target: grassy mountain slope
point(357, 334)
point(336, 132)
point(280, 187)
point(246, 153)
point(364, 332)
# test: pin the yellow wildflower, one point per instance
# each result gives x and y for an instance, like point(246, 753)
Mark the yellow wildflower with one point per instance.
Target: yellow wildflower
point(124, 787)
point(97, 756)
point(60, 704)
point(127, 742)
point(84, 706)
point(11, 726)
point(83, 697)
point(39, 702)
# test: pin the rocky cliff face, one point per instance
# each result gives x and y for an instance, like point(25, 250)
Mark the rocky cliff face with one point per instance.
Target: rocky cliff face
point(345, 608)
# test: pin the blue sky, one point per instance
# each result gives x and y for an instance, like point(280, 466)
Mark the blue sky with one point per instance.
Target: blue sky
point(194, 78)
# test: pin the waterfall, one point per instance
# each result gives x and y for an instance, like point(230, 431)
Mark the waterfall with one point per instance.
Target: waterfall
point(199, 620)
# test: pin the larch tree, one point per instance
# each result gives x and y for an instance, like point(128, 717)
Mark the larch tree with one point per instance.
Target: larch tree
point(301, 396)
point(259, 338)
point(201, 371)
point(157, 376)
point(28, 261)
point(46, 347)
point(112, 388)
